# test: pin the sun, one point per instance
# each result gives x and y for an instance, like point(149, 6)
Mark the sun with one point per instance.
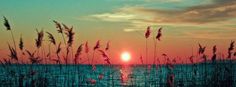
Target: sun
point(125, 56)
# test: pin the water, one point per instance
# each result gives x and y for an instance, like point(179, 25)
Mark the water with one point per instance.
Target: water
point(198, 75)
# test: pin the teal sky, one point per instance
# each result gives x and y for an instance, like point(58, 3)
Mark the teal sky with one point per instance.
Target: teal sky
point(123, 22)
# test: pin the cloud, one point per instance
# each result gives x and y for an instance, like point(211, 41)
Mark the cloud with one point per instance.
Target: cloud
point(219, 10)
point(213, 15)
point(115, 17)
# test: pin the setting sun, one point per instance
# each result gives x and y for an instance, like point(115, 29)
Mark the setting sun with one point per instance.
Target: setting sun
point(125, 56)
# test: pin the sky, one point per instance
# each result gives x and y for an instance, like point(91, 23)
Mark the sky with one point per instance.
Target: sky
point(185, 23)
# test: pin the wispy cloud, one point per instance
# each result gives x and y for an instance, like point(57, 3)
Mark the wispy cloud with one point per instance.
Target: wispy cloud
point(219, 10)
point(115, 17)
point(215, 14)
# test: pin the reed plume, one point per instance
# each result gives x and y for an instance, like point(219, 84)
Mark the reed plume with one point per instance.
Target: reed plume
point(148, 32)
point(159, 34)
point(201, 49)
point(51, 38)
point(21, 44)
point(8, 28)
point(70, 34)
point(6, 23)
point(87, 50)
point(86, 47)
point(60, 30)
point(108, 46)
point(230, 49)
point(78, 53)
point(213, 58)
point(97, 46)
point(58, 25)
point(105, 56)
point(39, 39)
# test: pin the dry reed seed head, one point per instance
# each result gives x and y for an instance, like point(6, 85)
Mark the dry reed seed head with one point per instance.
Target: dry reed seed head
point(6, 23)
point(234, 53)
point(214, 49)
point(159, 34)
point(21, 44)
point(103, 53)
point(70, 34)
point(231, 46)
point(58, 25)
point(148, 32)
point(201, 49)
point(66, 27)
point(97, 46)
point(51, 38)
point(39, 40)
point(79, 50)
point(59, 48)
point(86, 47)
point(105, 56)
point(164, 55)
point(108, 45)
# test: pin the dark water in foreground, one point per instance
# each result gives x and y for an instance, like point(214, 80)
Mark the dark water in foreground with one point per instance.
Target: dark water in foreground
point(199, 75)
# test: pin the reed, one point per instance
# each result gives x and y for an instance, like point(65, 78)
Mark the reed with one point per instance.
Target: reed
point(147, 34)
point(8, 28)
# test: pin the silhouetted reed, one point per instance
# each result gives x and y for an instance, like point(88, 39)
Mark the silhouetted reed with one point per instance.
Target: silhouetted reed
point(13, 53)
point(78, 53)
